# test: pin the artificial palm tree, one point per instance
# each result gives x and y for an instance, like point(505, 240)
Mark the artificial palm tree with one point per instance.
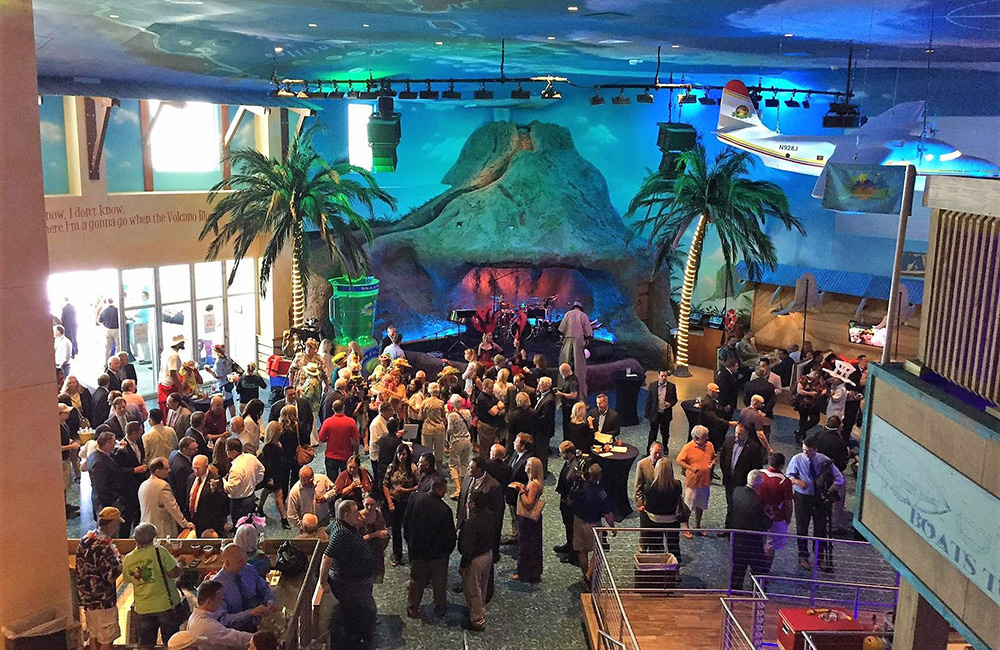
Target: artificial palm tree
point(277, 200)
point(719, 195)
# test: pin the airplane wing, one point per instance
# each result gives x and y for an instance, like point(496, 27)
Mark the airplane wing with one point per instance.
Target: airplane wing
point(900, 119)
point(845, 153)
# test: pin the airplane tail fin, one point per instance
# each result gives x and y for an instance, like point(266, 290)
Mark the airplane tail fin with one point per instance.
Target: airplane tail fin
point(736, 110)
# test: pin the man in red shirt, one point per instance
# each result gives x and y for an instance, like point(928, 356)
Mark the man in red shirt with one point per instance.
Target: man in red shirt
point(340, 433)
point(775, 492)
point(215, 422)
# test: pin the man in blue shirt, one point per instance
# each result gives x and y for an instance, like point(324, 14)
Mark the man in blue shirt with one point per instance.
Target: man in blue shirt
point(814, 480)
point(246, 596)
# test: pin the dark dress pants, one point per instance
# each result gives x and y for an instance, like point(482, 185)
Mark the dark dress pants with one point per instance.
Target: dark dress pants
point(662, 424)
point(809, 508)
point(358, 611)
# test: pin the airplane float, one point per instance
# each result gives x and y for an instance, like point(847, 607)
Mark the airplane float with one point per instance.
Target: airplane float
point(892, 138)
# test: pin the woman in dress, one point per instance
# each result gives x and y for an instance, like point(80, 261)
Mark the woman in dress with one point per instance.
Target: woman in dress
point(662, 500)
point(270, 456)
point(471, 368)
point(253, 411)
point(354, 482)
point(578, 431)
point(375, 533)
point(459, 439)
point(529, 536)
point(326, 357)
point(399, 484)
point(810, 396)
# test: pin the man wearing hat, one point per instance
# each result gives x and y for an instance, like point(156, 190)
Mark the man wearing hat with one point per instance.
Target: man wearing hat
point(98, 564)
point(170, 368)
point(576, 330)
point(840, 379)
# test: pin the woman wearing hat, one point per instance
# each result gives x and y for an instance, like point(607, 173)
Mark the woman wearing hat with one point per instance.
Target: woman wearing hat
point(810, 394)
point(840, 379)
point(311, 389)
point(296, 376)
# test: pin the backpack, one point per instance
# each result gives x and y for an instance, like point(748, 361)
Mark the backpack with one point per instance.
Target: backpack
point(291, 561)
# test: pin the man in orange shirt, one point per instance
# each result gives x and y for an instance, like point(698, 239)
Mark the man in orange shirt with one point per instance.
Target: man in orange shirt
point(698, 459)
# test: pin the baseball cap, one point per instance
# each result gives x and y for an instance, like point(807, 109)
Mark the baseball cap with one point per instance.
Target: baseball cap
point(110, 514)
point(184, 639)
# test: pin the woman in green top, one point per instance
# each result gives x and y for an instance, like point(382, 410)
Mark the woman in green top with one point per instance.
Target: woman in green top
point(158, 605)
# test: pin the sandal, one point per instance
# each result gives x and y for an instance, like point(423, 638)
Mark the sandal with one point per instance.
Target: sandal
point(515, 576)
point(395, 563)
point(688, 534)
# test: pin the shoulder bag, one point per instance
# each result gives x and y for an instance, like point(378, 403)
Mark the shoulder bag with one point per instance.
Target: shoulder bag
point(182, 610)
point(535, 513)
point(304, 455)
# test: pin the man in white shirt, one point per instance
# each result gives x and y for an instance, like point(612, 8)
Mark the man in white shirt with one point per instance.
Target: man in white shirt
point(311, 494)
point(170, 368)
point(244, 475)
point(63, 348)
point(576, 330)
point(203, 623)
point(376, 430)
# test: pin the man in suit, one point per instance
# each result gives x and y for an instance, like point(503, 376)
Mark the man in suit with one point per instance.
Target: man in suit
point(114, 373)
point(517, 462)
point(604, 419)
point(545, 419)
point(568, 477)
point(497, 466)
point(207, 503)
point(128, 368)
point(181, 469)
point(714, 417)
point(729, 385)
point(130, 456)
point(105, 475)
point(178, 415)
point(478, 480)
point(100, 410)
point(302, 407)
point(118, 419)
point(740, 454)
point(157, 504)
point(67, 319)
point(749, 514)
point(196, 430)
point(568, 392)
point(660, 402)
point(761, 385)
point(644, 473)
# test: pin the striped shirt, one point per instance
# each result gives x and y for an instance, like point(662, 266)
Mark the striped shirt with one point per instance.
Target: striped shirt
point(352, 556)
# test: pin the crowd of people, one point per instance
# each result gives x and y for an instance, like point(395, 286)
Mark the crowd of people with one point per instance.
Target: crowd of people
point(169, 469)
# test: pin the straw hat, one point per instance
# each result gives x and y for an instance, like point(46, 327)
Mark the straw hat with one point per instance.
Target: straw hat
point(401, 363)
point(312, 369)
point(449, 370)
point(178, 339)
point(842, 371)
point(65, 409)
point(110, 514)
point(340, 356)
point(184, 639)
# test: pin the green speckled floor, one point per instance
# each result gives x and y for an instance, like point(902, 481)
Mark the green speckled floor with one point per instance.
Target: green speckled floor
point(546, 615)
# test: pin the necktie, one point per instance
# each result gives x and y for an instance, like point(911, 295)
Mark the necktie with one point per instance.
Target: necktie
point(121, 422)
point(244, 597)
point(737, 449)
point(194, 495)
point(812, 476)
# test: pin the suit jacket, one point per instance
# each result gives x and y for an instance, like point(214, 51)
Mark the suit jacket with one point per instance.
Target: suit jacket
point(105, 480)
point(566, 482)
point(714, 417)
point(180, 470)
point(130, 373)
point(611, 425)
point(115, 426)
point(500, 470)
point(643, 479)
point(100, 410)
point(764, 388)
point(729, 390)
point(158, 506)
point(179, 420)
point(494, 499)
point(748, 513)
point(517, 474)
point(116, 383)
point(212, 508)
point(200, 438)
point(522, 421)
point(126, 460)
point(326, 405)
point(653, 413)
point(752, 457)
point(545, 414)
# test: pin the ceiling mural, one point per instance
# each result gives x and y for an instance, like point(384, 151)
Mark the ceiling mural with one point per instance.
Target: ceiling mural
point(225, 42)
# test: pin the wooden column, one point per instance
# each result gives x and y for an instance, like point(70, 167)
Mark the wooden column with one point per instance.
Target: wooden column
point(918, 625)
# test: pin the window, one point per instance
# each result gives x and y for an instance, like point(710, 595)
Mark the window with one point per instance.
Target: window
point(357, 135)
point(185, 137)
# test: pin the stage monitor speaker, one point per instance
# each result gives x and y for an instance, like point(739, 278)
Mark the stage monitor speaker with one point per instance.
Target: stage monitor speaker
point(383, 136)
point(676, 136)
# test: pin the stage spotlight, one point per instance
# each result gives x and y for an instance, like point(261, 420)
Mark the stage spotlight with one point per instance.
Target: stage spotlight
point(285, 91)
point(304, 93)
point(407, 94)
point(549, 92)
point(483, 94)
point(368, 93)
point(755, 98)
point(336, 93)
point(451, 93)
point(429, 94)
point(520, 93)
point(772, 102)
point(687, 98)
point(805, 102)
point(596, 100)
point(620, 99)
point(792, 102)
point(386, 91)
point(645, 97)
point(351, 93)
point(706, 101)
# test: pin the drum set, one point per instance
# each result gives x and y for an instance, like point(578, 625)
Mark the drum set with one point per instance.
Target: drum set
point(532, 319)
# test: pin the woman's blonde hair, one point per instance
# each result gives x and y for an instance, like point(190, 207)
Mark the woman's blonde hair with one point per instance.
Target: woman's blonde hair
point(535, 472)
point(272, 432)
point(579, 413)
point(522, 400)
point(289, 416)
point(663, 475)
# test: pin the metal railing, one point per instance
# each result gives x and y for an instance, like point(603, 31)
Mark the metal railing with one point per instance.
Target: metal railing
point(849, 574)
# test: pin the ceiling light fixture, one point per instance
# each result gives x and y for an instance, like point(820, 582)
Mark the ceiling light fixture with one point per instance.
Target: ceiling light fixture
point(312, 25)
point(789, 35)
point(772, 102)
point(408, 94)
point(336, 93)
point(451, 93)
point(351, 93)
point(791, 102)
point(369, 92)
point(551, 38)
point(549, 92)
point(687, 98)
point(304, 92)
point(706, 100)
point(520, 93)
point(620, 99)
point(675, 47)
point(483, 94)
point(645, 97)
point(429, 94)
point(805, 102)
point(596, 100)
point(279, 50)
point(439, 42)
point(365, 25)
point(572, 8)
point(113, 16)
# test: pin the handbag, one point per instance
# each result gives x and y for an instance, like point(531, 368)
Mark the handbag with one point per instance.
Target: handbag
point(291, 560)
point(304, 455)
point(535, 513)
point(182, 610)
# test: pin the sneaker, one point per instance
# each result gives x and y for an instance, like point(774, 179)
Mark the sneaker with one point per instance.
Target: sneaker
point(563, 548)
point(285, 524)
point(473, 627)
point(805, 564)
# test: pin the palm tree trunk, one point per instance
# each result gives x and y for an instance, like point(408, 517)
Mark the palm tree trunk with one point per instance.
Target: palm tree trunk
point(298, 293)
point(687, 290)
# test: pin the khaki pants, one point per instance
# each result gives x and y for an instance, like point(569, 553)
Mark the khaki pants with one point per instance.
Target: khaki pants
point(475, 580)
point(435, 440)
point(487, 438)
point(421, 572)
point(513, 520)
